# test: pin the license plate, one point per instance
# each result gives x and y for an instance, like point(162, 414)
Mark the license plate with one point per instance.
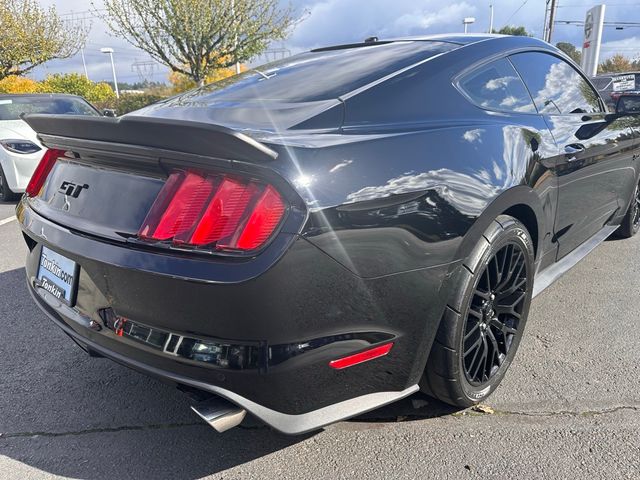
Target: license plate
point(58, 275)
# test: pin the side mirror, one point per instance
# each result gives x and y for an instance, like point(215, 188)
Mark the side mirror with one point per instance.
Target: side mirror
point(109, 112)
point(628, 104)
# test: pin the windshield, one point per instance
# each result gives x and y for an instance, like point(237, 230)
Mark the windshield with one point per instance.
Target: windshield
point(316, 75)
point(12, 108)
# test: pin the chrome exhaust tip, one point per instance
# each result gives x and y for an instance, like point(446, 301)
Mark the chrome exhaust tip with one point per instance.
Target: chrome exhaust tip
point(219, 413)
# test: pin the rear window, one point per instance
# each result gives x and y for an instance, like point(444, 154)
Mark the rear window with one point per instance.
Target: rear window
point(316, 76)
point(12, 108)
point(497, 86)
point(555, 85)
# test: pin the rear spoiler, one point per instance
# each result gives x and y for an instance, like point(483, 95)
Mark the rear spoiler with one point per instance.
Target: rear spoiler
point(168, 134)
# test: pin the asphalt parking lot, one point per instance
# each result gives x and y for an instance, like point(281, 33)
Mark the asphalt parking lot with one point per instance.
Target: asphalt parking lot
point(568, 408)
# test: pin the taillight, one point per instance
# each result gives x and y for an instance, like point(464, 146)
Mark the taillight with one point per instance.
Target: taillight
point(217, 212)
point(42, 171)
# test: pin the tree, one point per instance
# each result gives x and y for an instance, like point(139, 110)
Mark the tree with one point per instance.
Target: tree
point(196, 37)
point(571, 51)
point(513, 30)
point(31, 36)
point(616, 64)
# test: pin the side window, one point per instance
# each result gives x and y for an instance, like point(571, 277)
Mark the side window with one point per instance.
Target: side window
point(556, 87)
point(497, 86)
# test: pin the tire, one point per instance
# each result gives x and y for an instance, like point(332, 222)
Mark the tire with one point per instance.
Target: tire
point(631, 222)
point(502, 263)
point(6, 195)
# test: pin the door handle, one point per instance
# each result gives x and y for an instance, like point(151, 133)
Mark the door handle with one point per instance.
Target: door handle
point(570, 151)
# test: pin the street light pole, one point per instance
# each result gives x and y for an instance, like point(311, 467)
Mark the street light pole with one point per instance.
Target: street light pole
point(491, 19)
point(84, 63)
point(113, 69)
point(235, 44)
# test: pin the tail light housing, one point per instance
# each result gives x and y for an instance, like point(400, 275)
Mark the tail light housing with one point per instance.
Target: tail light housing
point(214, 212)
point(42, 171)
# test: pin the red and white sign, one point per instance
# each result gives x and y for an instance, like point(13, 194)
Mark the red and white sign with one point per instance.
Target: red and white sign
point(593, 24)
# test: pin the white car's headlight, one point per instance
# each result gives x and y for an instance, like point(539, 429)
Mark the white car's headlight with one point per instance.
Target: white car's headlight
point(20, 146)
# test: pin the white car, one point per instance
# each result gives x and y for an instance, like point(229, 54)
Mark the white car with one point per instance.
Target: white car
point(20, 150)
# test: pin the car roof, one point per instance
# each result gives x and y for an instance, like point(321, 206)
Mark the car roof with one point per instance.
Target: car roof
point(461, 39)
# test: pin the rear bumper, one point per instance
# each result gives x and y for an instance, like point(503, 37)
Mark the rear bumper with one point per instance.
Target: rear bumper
point(293, 310)
point(283, 422)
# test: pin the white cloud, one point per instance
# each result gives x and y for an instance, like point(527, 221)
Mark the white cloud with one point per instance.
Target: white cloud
point(629, 47)
point(340, 21)
point(473, 135)
point(425, 19)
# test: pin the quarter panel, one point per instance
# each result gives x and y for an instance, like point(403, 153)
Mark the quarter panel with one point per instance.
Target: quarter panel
point(389, 203)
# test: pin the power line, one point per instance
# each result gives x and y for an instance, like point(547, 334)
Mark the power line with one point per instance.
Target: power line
point(87, 13)
point(635, 4)
point(517, 10)
point(145, 68)
point(580, 23)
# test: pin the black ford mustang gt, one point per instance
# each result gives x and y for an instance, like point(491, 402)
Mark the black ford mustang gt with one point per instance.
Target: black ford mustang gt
point(332, 232)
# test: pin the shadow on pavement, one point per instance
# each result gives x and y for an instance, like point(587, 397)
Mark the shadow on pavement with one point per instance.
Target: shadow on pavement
point(68, 414)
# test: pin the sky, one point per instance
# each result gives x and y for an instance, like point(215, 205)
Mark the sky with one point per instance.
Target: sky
point(327, 22)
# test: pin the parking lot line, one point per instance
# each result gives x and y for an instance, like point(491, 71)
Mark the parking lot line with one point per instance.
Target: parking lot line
point(7, 220)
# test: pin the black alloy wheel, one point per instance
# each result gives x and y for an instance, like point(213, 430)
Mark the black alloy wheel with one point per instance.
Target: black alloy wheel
point(631, 223)
point(485, 316)
point(636, 209)
point(494, 314)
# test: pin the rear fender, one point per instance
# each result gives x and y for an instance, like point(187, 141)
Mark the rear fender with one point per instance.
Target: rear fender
point(520, 195)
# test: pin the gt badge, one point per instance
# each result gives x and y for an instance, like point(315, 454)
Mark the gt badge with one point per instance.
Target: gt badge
point(71, 189)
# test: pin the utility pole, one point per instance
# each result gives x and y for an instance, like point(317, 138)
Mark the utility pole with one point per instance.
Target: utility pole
point(552, 19)
point(546, 17)
point(491, 19)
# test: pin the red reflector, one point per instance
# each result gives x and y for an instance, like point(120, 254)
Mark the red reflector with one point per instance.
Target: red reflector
point(42, 171)
point(216, 211)
point(361, 357)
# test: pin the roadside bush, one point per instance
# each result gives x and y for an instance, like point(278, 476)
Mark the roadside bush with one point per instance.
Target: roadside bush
point(101, 95)
point(16, 84)
point(76, 84)
point(128, 102)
